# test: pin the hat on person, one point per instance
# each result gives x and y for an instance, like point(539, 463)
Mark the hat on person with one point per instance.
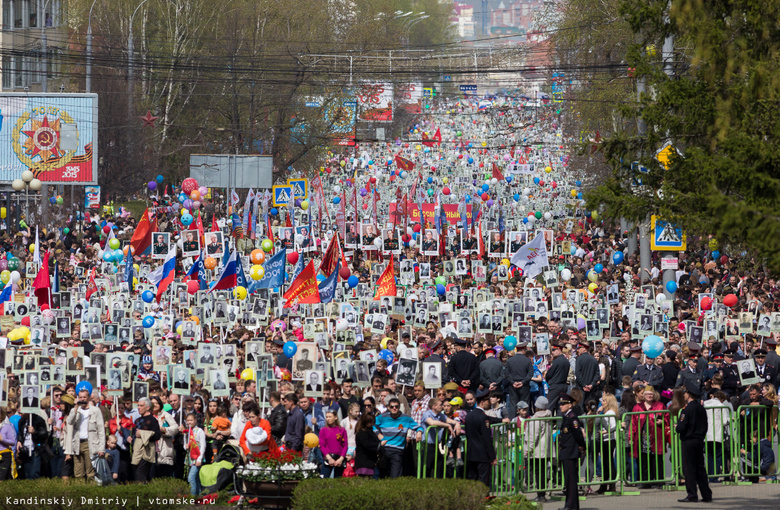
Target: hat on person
point(564, 398)
point(68, 399)
point(457, 401)
point(692, 388)
point(771, 341)
point(482, 395)
point(583, 343)
point(717, 357)
point(435, 345)
point(729, 352)
point(542, 403)
point(450, 386)
point(671, 354)
point(693, 347)
point(461, 341)
point(760, 352)
point(279, 342)
point(522, 404)
point(490, 350)
point(636, 348)
point(146, 359)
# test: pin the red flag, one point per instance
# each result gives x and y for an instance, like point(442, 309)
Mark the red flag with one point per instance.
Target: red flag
point(42, 284)
point(403, 163)
point(214, 227)
point(287, 223)
point(141, 241)
point(512, 152)
point(414, 186)
point(92, 287)
point(385, 285)
point(426, 141)
point(437, 136)
point(481, 242)
point(497, 173)
point(304, 288)
point(331, 258)
point(199, 226)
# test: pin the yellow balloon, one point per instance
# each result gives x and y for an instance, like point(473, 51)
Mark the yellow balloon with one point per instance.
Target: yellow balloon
point(183, 211)
point(343, 163)
point(136, 268)
point(305, 204)
point(135, 281)
point(179, 329)
point(593, 287)
point(5, 276)
point(12, 335)
point(3, 212)
point(445, 180)
point(505, 262)
point(32, 248)
point(713, 244)
point(593, 276)
point(383, 343)
point(418, 147)
point(27, 340)
point(256, 272)
point(239, 293)
point(574, 193)
point(484, 144)
point(311, 440)
point(248, 374)
point(594, 215)
point(24, 330)
point(548, 169)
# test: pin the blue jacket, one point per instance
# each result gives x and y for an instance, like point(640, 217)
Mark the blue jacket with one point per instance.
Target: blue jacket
point(394, 430)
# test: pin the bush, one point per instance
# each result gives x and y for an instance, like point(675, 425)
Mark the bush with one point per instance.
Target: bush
point(55, 494)
point(518, 502)
point(398, 494)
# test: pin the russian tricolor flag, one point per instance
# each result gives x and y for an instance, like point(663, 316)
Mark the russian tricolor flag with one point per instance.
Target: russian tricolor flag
point(168, 272)
point(227, 279)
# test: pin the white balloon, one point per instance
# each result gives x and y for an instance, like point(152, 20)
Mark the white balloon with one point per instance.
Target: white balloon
point(342, 325)
point(660, 298)
point(565, 274)
point(337, 189)
point(378, 242)
point(526, 191)
point(531, 220)
point(412, 243)
point(15, 276)
point(548, 215)
point(494, 181)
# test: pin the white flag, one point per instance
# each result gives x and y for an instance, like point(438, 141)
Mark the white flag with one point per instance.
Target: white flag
point(532, 257)
point(37, 252)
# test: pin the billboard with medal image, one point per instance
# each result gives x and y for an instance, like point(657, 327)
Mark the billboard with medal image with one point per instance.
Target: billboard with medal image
point(53, 135)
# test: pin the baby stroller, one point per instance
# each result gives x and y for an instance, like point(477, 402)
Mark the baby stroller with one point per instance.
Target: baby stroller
point(218, 475)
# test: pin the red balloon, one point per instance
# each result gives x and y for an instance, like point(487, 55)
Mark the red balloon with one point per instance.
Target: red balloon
point(292, 257)
point(189, 185)
point(446, 191)
point(344, 273)
point(706, 303)
point(26, 321)
point(193, 286)
point(485, 197)
point(44, 307)
point(405, 238)
point(724, 259)
point(730, 300)
point(106, 229)
point(417, 227)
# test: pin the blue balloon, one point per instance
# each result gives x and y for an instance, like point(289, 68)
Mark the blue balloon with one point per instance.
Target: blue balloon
point(671, 287)
point(290, 348)
point(715, 255)
point(187, 219)
point(468, 198)
point(352, 281)
point(598, 268)
point(274, 211)
point(336, 200)
point(387, 355)
point(53, 200)
point(159, 179)
point(573, 250)
point(516, 197)
point(525, 219)
point(182, 197)
point(587, 214)
point(653, 346)
point(430, 180)
point(508, 178)
point(148, 321)
point(577, 183)
point(441, 289)
point(84, 385)
point(579, 196)
point(617, 257)
point(147, 296)
point(537, 180)
point(108, 255)
point(510, 342)
point(471, 160)
point(485, 188)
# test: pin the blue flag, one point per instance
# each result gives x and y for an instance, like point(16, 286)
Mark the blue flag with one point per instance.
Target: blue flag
point(129, 269)
point(274, 272)
point(199, 269)
point(328, 286)
point(55, 286)
point(241, 279)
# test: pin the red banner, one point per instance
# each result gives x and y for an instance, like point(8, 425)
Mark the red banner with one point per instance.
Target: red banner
point(385, 285)
point(304, 288)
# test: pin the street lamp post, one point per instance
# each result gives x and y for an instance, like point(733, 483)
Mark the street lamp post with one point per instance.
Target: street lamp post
point(130, 73)
point(27, 183)
point(89, 49)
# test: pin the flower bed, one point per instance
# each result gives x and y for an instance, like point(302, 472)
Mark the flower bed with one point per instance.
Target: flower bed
point(279, 466)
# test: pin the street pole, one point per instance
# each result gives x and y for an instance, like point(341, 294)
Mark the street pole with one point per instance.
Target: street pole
point(644, 235)
point(44, 50)
point(669, 275)
point(130, 64)
point(89, 49)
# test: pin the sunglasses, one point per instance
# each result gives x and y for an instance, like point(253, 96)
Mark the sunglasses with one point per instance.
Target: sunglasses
point(393, 407)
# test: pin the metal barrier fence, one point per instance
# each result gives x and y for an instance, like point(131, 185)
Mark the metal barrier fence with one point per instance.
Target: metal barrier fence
point(756, 451)
point(440, 457)
point(602, 456)
point(648, 436)
point(506, 439)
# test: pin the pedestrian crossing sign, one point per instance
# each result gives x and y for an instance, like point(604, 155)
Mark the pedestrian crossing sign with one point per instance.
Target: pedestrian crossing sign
point(300, 188)
point(283, 194)
point(666, 236)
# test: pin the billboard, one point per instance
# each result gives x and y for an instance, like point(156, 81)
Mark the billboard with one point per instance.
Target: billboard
point(428, 210)
point(232, 170)
point(54, 135)
point(409, 96)
point(375, 101)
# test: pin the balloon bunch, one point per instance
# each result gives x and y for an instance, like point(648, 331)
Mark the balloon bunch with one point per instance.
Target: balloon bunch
point(19, 334)
point(190, 197)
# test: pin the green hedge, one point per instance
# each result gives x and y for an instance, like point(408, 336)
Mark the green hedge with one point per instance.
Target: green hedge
point(398, 494)
point(77, 495)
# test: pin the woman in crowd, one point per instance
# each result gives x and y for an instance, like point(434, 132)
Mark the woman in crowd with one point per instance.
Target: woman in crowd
point(333, 445)
point(366, 447)
point(650, 432)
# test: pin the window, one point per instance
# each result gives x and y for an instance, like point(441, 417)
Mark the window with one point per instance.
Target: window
point(7, 15)
point(36, 66)
point(8, 72)
point(18, 73)
point(18, 16)
point(33, 10)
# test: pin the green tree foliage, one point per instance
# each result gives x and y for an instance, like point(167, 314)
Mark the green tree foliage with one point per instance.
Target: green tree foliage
point(714, 99)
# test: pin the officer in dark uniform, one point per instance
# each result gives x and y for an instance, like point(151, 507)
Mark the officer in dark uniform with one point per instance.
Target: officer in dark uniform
point(772, 358)
point(519, 371)
point(631, 364)
point(556, 377)
point(692, 427)
point(690, 373)
point(571, 447)
point(586, 372)
point(481, 453)
point(730, 374)
point(717, 362)
point(464, 367)
point(701, 363)
point(764, 372)
point(649, 373)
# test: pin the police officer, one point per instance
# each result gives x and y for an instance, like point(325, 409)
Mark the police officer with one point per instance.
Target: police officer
point(649, 373)
point(765, 373)
point(772, 358)
point(690, 373)
point(701, 363)
point(730, 374)
point(586, 371)
point(692, 427)
point(631, 364)
point(717, 362)
point(519, 371)
point(571, 447)
point(464, 368)
point(556, 377)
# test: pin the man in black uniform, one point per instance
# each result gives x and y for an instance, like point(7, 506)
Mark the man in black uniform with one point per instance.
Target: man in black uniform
point(481, 453)
point(571, 447)
point(556, 377)
point(692, 427)
point(631, 364)
point(491, 370)
point(765, 373)
point(772, 358)
point(690, 373)
point(586, 370)
point(519, 371)
point(649, 373)
point(464, 368)
point(730, 375)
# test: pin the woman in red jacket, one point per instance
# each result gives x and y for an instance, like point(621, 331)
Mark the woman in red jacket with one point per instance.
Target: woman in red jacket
point(256, 437)
point(650, 433)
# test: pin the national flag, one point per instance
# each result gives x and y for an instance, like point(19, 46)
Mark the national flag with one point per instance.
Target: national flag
point(199, 226)
point(481, 242)
point(331, 257)
point(437, 135)
point(303, 289)
point(497, 173)
point(198, 272)
point(403, 163)
point(385, 285)
point(426, 141)
point(298, 268)
point(168, 272)
point(214, 226)
point(327, 288)
point(414, 185)
point(129, 269)
point(274, 272)
point(227, 279)
point(241, 279)
point(42, 284)
point(6, 295)
point(141, 242)
point(532, 257)
point(92, 285)
point(37, 252)
point(55, 285)
point(233, 198)
point(237, 230)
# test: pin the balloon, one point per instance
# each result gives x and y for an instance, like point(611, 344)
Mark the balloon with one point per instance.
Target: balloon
point(83, 385)
point(152, 185)
point(3, 212)
point(352, 281)
point(193, 286)
point(598, 268)
point(267, 245)
point(387, 355)
point(26, 320)
point(342, 325)
point(187, 219)
point(15, 277)
point(440, 280)
point(671, 287)
point(32, 248)
point(653, 346)
point(159, 179)
point(257, 256)
point(505, 262)
point(290, 348)
point(311, 440)
point(210, 263)
point(593, 287)
point(344, 272)
point(114, 243)
point(660, 298)
point(3, 264)
point(593, 276)
point(256, 272)
point(148, 321)
point(5, 276)
point(617, 257)
point(304, 204)
point(147, 296)
point(195, 195)
point(239, 293)
point(189, 185)
point(565, 274)
point(248, 374)
point(729, 300)
point(510, 342)
point(441, 289)
point(13, 264)
point(580, 322)
point(706, 303)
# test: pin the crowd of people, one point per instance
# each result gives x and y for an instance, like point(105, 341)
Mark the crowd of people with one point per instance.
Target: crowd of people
point(508, 303)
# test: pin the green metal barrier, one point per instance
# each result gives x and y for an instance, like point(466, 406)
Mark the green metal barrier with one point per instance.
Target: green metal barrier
point(542, 472)
point(437, 459)
point(602, 436)
point(756, 433)
point(507, 442)
point(718, 446)
point(648, 438)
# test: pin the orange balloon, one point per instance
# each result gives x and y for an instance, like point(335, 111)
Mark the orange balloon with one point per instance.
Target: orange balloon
point(195, 319)
point(257, 256)
point(210, 263)
point(128, 247)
